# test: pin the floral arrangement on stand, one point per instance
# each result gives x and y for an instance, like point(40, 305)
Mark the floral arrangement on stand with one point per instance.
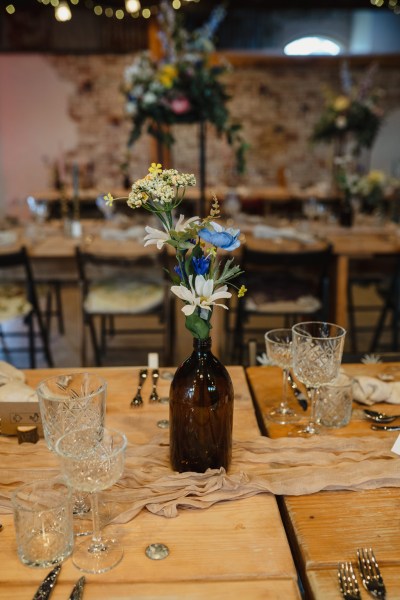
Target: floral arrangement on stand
point(199, 278)
point(183, 87)
point(369, 189)
point(354, 115)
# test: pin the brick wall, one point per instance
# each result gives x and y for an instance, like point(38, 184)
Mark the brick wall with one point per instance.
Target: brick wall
point(276, 100)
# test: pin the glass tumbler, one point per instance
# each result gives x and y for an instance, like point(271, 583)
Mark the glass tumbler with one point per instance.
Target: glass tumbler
point(43, 522)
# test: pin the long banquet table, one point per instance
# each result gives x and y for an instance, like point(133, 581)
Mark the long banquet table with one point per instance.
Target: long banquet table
point(236, 549)
point(48, 246)
point(327, 527)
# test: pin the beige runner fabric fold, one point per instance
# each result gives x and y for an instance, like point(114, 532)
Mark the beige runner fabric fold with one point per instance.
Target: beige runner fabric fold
point(284, 466)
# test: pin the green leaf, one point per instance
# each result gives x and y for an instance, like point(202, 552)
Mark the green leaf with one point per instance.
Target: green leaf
point(198, 327)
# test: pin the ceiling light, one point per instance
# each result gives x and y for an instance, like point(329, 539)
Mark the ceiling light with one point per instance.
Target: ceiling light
point(132, 6)
point(312, 45)
point(62, 12)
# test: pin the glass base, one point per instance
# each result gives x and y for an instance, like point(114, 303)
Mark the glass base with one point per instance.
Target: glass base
point(98, 559)
point(309, 430)
point(282, 415)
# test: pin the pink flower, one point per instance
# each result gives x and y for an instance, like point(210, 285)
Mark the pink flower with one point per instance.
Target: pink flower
point(180, 105)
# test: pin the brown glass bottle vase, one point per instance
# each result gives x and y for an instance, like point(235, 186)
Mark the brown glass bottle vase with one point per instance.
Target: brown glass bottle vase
point(201, 412)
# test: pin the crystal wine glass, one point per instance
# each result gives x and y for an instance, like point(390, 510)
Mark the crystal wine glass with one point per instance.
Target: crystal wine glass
point(278, 344)
point(67, 402)
point(92, 460)
point(317, 355)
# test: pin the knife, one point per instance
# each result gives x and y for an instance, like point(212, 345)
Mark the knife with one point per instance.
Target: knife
point(46, 587)
point(385, 427)
point(77, 591)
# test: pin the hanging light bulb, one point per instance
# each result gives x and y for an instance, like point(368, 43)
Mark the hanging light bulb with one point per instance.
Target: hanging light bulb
point(62, 12)
point(132, 6)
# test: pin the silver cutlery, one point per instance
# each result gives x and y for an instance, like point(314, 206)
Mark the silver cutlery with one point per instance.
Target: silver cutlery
point(46, 587)
point(137, 400)
point(379, 417)
point(77, 590)
point(348, 582)
point(385, 427)
point(154, 397)
point(370, 573)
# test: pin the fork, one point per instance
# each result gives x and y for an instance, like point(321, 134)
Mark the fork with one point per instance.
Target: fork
point(370, 573)
point(137, 400)
point(348, 582)
point(154, 397)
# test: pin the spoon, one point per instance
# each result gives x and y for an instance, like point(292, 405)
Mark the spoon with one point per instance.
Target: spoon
point(379, 417)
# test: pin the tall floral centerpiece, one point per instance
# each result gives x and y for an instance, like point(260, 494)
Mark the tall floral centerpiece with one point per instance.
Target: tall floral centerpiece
point(185, 86)
point(350, 119)
point(201, 394)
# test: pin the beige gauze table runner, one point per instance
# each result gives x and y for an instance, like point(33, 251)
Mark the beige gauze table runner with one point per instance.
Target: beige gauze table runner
point(284, 466)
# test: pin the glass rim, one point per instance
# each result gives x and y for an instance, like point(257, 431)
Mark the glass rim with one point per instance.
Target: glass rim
point(317, 337)
point(59, 480)
point(69, 455)
point(287, 329)
point(53, 398)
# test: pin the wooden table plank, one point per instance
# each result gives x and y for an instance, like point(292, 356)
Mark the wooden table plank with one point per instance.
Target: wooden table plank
point(328, 527)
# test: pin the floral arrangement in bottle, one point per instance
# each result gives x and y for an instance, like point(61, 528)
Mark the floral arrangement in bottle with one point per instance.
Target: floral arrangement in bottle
point(185, 86)
point(355, 112)
point(200, 278)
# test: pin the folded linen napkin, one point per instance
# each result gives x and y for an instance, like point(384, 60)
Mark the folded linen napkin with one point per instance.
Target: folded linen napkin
point(288, 466)
point(12, 385)
point(9, 373)
point(369, 390)
point(267, 232)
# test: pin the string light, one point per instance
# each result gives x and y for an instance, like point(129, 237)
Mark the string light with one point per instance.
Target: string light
point(62, 12)
point(133, 8)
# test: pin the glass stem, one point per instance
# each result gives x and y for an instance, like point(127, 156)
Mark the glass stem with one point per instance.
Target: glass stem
point(313, 403)
point(284, 388)
point(97, 542)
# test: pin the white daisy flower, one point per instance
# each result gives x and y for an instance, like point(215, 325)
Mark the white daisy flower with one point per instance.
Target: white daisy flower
point(155, 236)
point(202, 295)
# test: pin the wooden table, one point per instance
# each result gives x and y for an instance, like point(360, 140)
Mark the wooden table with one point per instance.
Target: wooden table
point(328, 527)
point(235, 549)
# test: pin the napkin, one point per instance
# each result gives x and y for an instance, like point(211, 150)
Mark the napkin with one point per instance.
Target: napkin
point(267, 232)
point(17, 391)
point(369, 390)
point(9, 373)
point(12, 385)
point(7, 238)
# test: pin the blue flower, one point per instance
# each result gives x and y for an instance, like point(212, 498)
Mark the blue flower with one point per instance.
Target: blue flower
point(178, 271)
point(201, 265)
point(227, 239)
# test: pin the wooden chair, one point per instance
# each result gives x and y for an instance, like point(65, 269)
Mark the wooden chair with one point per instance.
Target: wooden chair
point(19, 302)
point(125, 296)
point(379, 278)
point(287, 286)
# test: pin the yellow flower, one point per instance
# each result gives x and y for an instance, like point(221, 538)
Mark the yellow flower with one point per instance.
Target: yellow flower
point(376, 177)
point(155, 168)
point(242, 291)
point(341, 103)
point(108, 199)
point(167, 75)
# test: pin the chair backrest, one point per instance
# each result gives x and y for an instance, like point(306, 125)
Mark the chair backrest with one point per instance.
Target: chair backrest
point(310, 265)
point(19, 258)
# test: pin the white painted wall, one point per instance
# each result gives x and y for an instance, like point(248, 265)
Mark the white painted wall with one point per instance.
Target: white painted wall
point(34, 126)
point(385, 154)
